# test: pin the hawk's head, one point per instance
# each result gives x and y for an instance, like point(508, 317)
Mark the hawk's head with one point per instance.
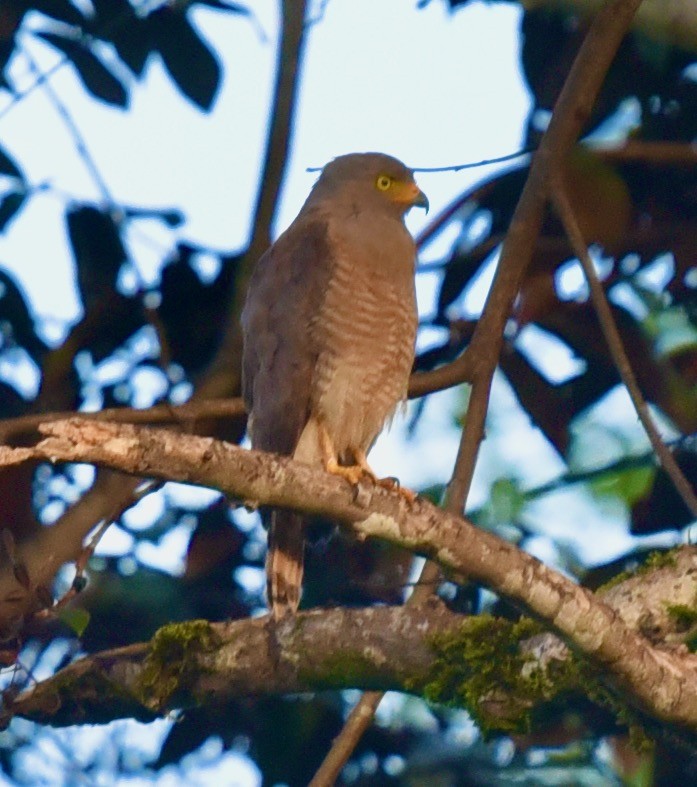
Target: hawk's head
point(375, 178)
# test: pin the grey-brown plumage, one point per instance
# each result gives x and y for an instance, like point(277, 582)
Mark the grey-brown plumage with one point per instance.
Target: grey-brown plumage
point(329, 329)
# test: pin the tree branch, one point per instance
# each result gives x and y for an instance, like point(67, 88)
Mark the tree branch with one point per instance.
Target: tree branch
point(655, 682)
point(422, 649)
point(197, 663)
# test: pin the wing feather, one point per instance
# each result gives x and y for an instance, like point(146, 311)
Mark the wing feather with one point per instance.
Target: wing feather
point(279, 357)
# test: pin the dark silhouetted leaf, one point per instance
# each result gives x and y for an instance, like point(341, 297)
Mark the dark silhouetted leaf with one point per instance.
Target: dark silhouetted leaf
point(663, 508)
point(8, 166)
point(133, 44)
point(15, 313)
point(194, 313)
point(9, 206)
point(190, 62)
point(62, 10)
point(98, 251)
point(116, 21)
point(95, 76)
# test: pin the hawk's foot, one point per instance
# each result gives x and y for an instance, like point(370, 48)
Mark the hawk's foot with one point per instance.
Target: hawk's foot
point(393, 485)
point(354, 474)
point(390, 482)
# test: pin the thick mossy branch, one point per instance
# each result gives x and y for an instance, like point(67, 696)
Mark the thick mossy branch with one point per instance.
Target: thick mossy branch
point(504, 673)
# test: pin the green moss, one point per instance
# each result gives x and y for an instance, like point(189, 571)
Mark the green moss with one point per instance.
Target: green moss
point(618, 579)
point(654, 561)
point(684, 616)
point(599, 693)
point(481, 667)
point(658, 559)
point(173, 663)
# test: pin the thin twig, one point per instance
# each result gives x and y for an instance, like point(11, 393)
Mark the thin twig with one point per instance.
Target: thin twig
point(458, 167)
point(617, 351)
point(143, 490)
point(159, 414)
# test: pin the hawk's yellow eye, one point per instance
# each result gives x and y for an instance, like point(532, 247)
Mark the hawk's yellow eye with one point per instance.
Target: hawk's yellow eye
point(383, 182)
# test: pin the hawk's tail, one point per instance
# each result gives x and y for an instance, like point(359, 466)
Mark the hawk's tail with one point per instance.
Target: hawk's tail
point(284, 562)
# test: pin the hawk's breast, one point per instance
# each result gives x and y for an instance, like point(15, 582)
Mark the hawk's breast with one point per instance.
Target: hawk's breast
point(365, 332)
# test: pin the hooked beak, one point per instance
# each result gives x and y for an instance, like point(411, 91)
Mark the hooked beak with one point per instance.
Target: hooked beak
point(408, 195)
point(413, 195)
point(420, 199)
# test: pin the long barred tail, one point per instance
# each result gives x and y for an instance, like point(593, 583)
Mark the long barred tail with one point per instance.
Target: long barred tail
point(284, 562)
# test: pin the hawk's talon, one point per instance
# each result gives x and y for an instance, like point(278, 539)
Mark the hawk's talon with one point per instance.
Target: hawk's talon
point(352, 473)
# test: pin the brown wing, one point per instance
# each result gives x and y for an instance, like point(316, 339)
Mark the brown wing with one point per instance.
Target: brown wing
point(278, 360)
point(284, 295)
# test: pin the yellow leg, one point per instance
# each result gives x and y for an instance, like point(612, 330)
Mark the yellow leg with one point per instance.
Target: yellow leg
point(352, 474)
point(358, 471)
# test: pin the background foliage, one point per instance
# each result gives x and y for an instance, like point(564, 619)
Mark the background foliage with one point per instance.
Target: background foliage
point(137, 344)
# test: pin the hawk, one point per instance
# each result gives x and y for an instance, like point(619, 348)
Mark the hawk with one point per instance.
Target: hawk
point(329, 327)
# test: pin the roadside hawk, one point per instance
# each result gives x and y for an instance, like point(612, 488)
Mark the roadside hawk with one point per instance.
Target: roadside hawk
point(329, 328)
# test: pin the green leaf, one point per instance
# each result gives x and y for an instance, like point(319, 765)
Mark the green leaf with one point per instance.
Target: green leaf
point(506, 501)
point(630, 485)
point(75, 618)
